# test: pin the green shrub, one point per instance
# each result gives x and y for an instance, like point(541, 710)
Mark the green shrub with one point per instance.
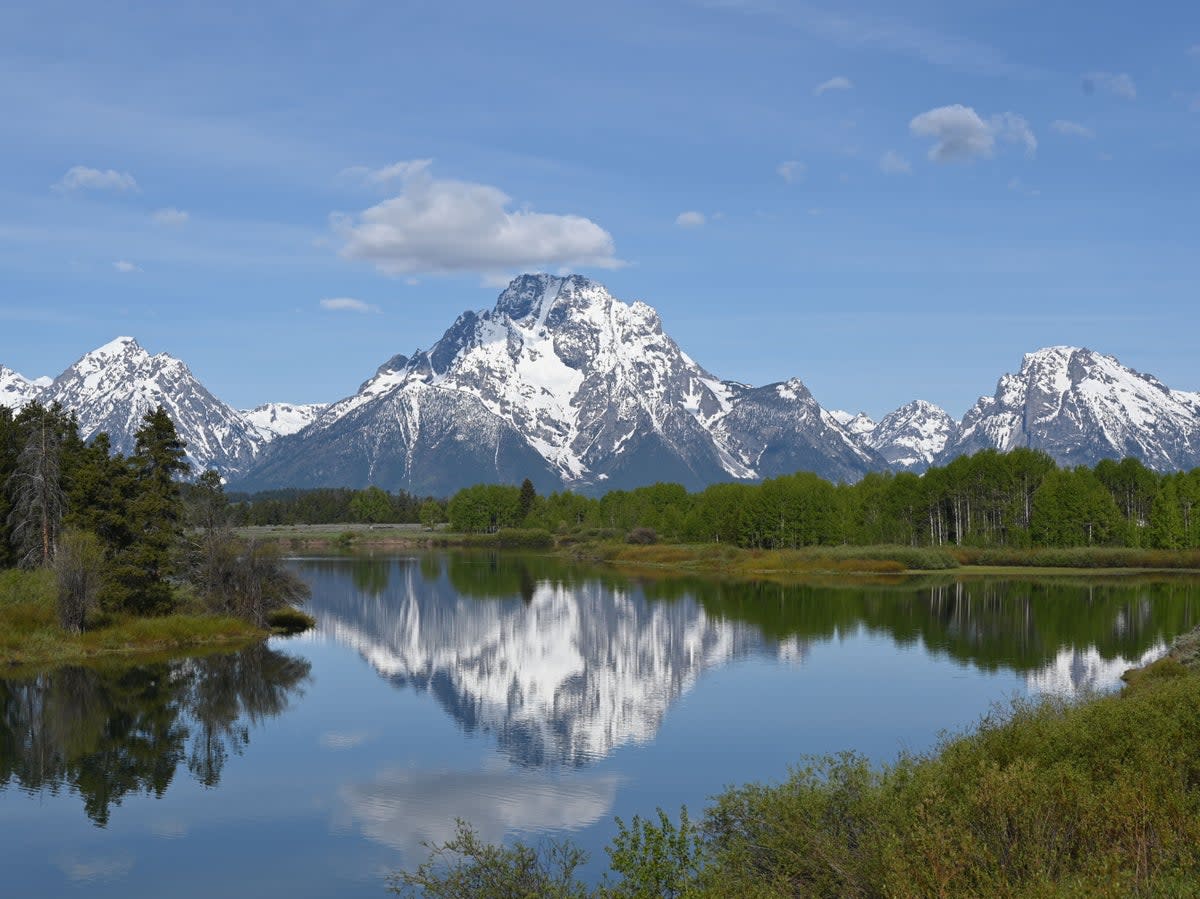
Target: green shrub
point(290, 620)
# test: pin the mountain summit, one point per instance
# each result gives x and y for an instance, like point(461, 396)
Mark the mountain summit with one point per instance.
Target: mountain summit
point(565, 384)
point(112, 387)
point(1081, 406)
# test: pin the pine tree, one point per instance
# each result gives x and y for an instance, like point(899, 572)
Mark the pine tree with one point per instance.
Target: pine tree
point(154, 516)
point(525, 501)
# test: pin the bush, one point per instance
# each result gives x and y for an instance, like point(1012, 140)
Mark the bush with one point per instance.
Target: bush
point(642, 537)
point(78, 571)
point(290, 620)
point(524, 538)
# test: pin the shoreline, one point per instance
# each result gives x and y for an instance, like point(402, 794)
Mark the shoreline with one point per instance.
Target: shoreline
point(725, 560)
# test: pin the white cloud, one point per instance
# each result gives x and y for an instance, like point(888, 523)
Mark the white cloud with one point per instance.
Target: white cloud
point(437, 226)
point(892, 163)
point(836, 83)
point(1119, 85)
point(1072, 129)
point(690, 219)
point(170, 217)
point(80, 177)
point(347, 304)
point(125, 267)
point(791, 171)
point(960, 134)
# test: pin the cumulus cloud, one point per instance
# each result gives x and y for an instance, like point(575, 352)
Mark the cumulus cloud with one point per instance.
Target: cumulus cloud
point(442, 226)
point(1072, 129)
point(960, 134)
point(170, 217)
point(1119, 85)
point(125, 267)
point(347, 304)
point(80, 177)
point(791, 171)
point(836, 83)
point(892, 163)
point(690, 219)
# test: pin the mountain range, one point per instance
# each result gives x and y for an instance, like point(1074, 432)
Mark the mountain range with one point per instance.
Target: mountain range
point(565, 384)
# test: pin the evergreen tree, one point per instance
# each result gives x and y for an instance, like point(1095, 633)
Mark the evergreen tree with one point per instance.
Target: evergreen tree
point(155, 517)
point(525, 500)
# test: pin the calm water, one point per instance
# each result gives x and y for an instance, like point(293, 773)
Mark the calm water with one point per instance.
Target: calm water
point(523, 695)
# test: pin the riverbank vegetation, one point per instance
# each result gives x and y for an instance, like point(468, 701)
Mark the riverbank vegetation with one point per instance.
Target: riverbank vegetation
point(106, 553)
point(1055, 798)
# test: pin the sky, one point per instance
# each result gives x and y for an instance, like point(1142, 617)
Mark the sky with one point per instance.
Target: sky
point(889, 201)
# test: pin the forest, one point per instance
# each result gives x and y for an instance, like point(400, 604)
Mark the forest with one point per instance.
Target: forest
point(1017, 499)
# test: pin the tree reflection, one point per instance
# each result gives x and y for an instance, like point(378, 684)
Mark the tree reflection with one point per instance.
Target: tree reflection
point(109, 732)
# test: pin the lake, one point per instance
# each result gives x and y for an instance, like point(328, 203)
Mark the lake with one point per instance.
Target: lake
point(525, 695)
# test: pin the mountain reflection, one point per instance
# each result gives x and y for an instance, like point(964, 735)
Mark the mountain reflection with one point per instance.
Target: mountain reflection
point(108, 732)
point(563, 665)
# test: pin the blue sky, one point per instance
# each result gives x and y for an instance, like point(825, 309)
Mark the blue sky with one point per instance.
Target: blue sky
point(888, 203)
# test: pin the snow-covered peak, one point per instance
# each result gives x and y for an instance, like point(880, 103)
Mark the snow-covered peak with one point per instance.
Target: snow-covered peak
point(273, 420)
point(111, 388)
point(856, 424)
point(911, 437)
point(1082, 406)
point(16, 390)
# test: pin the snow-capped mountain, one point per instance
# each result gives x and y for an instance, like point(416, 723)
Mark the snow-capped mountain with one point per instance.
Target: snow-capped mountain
point(854, 424)
point(1080, 407)
point(112, 387)
point(911, 437)
point(564, 384)
point(16, 390)
point(273, 420)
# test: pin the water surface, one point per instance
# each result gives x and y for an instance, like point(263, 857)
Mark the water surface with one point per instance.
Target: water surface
point(522, 694)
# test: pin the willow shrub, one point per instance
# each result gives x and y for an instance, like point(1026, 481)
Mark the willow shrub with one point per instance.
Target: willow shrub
point(1100, 798)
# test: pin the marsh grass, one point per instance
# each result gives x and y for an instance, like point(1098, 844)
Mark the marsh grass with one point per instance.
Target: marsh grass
point(30, 633)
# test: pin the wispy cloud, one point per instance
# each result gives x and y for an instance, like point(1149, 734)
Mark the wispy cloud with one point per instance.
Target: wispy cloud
point(1016, 185)
point(691, 219)
point(1119, 85)
point(81, 177)
point(791, 170)
point(397, 171)
point(960, 134)
point(849, 29)
point(892, 163)
point(1072, 129)
point(170, 217)
point(442, 226)
point(836, 83)
point(125, 267)
point(347, 304)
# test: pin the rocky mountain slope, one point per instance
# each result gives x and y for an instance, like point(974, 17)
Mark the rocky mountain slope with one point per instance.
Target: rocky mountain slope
point(1081, 406)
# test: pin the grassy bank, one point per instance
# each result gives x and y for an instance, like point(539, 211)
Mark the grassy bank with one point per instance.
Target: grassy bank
point(1054, 798)
point(30, 634)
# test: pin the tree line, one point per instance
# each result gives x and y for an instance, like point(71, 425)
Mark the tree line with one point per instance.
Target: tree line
point(1014, 499)
point(125, 534)
point(330, 505)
